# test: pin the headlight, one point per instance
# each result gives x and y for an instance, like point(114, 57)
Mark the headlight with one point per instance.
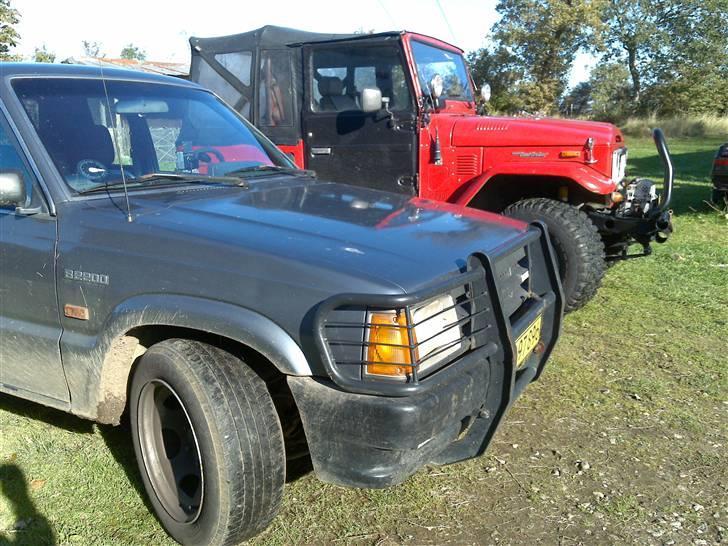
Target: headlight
point(432, 338)
point(619, 165)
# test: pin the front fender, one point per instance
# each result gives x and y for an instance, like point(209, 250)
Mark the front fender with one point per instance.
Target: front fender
point(578, 173)
point(88, 361)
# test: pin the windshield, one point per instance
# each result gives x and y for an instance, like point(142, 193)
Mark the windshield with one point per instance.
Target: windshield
point(144, 128)
point(432, 61)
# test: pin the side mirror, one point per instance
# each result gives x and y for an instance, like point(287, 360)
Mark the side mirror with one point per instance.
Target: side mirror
point(485, 92)
point(12, 189)
point(371, 99)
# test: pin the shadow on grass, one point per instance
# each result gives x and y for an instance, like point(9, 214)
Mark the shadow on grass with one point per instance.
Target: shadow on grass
point(51, 416)
point(31, 528)
point(118, 442)
point(117, 439)
point(692, 174)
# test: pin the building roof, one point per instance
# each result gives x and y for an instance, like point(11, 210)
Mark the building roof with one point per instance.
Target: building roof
point(152, 67)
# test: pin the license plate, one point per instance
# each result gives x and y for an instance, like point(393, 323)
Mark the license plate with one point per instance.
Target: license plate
point(527, 341)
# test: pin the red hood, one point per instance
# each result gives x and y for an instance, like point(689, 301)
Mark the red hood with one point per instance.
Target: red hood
point(525, 132)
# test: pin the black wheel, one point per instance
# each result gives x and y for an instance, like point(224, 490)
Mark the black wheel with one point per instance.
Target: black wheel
point(576, 241)
point(208, 442)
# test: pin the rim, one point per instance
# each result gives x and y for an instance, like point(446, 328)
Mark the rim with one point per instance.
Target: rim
point(170, 451)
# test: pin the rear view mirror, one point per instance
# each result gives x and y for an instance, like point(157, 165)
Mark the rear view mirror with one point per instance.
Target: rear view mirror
point(485, 92)
point(371, 99)
point(12, 189)
point(142, 106)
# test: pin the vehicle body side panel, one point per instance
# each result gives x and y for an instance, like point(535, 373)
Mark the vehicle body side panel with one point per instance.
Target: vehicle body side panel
point(85, 354)
point(29, 326)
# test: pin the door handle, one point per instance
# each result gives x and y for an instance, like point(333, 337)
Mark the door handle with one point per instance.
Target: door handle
point(321, 151)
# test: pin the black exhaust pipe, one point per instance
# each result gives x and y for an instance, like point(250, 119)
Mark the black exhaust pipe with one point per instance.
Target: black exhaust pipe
point(662, 149)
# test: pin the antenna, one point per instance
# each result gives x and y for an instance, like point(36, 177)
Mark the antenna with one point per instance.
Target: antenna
point(447, 21)
point(384, 8)
point(116, 144)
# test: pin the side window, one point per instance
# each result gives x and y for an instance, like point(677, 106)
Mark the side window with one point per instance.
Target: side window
point(340, 74)
point(275, 104)
point(240, 67)
point(238, 63)
point(11, 160)
point(320, 74)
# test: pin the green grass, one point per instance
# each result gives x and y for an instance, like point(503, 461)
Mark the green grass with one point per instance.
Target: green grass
point(638, 388)
point(698, 126)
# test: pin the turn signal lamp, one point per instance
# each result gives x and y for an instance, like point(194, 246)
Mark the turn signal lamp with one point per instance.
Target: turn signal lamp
point(388, 352)
point(435, 334)
point(570, 154)
point(617, 197)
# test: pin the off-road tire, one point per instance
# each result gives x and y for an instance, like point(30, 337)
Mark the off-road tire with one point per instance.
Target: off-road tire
point(576, 241)
point(237, 436)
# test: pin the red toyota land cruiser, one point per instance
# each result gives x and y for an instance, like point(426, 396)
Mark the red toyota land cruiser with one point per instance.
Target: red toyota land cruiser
point(397, 111)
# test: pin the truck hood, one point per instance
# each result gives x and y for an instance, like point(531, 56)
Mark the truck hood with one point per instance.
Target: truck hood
point(333, 229)
point(529, 132)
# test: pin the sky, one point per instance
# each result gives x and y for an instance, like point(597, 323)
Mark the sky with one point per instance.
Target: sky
point(162, 28)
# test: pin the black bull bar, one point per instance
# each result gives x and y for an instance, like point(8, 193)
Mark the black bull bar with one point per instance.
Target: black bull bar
point(655, 225)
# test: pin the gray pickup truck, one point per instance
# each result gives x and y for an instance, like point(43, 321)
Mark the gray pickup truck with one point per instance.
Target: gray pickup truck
point(159, 256)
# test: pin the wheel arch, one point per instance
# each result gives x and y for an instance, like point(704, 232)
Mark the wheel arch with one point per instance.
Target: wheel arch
point(100, 393)
point(502, 190)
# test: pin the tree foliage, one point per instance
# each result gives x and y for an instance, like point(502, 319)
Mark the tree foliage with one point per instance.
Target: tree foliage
point(132, 52)
point(676, 52)
point(500, 69)
point(92, 49)
point(666, 57)
point(538, 39)
point(42, 55)
point(9, 17)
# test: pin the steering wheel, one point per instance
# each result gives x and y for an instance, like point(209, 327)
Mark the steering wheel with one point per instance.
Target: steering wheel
point(201, 154)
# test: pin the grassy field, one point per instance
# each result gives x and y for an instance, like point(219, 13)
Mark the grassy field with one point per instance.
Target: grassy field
point(624, 440)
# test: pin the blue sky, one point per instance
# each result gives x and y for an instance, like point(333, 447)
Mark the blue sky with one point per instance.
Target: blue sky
point(162, 27)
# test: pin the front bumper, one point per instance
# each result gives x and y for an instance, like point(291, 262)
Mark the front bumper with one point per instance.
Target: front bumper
point(620, 230)
point(365, 438)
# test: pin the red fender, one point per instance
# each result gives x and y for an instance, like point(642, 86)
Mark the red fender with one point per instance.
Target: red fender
point(580, 174)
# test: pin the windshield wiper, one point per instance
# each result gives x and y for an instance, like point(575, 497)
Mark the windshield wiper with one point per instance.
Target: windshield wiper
point(272, 169)
point(191, 178)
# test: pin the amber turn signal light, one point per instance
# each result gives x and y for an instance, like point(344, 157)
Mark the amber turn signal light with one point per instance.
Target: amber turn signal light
point(570, 154)
point(388, 351)
point(616, 197)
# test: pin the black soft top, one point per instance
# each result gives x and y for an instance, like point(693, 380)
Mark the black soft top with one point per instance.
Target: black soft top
point(232, 67)
point(272, 37)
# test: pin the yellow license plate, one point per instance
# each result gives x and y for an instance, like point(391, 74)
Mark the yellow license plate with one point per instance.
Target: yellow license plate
point(527, 341)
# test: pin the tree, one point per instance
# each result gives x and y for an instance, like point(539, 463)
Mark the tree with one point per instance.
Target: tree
point(675, 52)
point(42, 55)
point(133, 52)
point(630, 26)
point(92, 49)
point(542, 37)
point(8, 35)
point(611, 92)
point(578, 103)
point(500, 69)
